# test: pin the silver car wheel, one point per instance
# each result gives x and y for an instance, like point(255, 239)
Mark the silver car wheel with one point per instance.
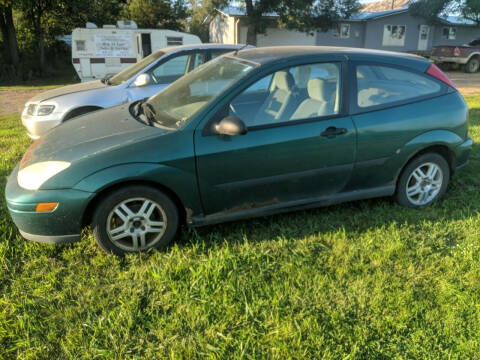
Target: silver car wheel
point(136, 224)
point(424, 183)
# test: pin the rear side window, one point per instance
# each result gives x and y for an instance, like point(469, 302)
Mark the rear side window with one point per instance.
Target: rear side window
point(382, 85)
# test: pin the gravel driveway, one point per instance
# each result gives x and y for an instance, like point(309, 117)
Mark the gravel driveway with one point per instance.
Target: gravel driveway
point(14, 100)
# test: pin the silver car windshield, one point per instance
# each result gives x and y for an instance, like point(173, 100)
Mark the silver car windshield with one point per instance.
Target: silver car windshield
point(127, 73)
point(179, 102)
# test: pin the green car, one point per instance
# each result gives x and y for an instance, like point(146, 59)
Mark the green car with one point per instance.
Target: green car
point(252, 133)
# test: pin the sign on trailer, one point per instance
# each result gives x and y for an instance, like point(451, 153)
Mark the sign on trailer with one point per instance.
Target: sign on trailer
point(113, 45)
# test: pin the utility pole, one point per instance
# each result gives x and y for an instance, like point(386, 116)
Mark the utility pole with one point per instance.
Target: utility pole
point(393, 4)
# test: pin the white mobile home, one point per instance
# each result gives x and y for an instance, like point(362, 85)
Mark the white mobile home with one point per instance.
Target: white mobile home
point(97, 52)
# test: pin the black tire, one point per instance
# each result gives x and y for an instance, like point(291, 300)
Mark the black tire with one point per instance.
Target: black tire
point(444, 66)
point(132, 196)
point(473, 65)
point(407, 177)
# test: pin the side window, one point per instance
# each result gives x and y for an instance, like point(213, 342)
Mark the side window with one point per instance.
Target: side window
point(380, 85)
point(170, 70)
point(198, 59)
point(296, 93)
point(261, 85)
point(216, 53)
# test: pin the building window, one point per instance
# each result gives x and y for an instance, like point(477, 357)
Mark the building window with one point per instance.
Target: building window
point(394, 35)
point(174, 40)
point(449, 33)
point(80, 45)
point(342, 31)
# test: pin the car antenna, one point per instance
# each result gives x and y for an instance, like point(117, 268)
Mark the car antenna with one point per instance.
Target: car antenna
point(243, 47)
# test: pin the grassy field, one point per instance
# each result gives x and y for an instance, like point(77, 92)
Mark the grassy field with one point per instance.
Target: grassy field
point(365, 280)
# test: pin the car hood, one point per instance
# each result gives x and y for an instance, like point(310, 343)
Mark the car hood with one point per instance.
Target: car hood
point(89, 135)
point(70, 89)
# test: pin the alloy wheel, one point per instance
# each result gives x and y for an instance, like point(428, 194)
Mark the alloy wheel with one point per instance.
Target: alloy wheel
point(136, 224)
point(424, 184)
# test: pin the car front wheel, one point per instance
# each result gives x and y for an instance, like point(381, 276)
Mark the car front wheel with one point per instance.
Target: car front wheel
point(135, 219)
point(423, 181)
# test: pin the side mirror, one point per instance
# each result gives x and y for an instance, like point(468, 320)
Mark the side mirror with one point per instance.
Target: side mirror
point(232, 126)
point(142, 80)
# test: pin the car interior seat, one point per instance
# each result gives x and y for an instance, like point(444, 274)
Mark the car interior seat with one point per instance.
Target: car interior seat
point(281, 101)
point(320, 102)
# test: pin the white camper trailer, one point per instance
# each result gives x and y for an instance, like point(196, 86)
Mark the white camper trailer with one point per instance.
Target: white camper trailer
point(97, 52)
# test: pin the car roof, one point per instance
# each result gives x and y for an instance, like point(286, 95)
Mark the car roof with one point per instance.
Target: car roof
point(232, 47)
point(266, 55)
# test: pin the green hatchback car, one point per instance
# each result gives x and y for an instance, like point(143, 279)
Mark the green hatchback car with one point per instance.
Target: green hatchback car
point(252, 133)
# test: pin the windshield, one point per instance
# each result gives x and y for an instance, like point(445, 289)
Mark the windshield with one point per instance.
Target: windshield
point(127, 73)
point(191, 93)
point(475, 42)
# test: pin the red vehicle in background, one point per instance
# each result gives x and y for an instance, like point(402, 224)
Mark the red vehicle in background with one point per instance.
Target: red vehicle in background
point(466, 57)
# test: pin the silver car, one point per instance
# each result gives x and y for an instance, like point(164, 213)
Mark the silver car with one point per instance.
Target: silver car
point(141, 80)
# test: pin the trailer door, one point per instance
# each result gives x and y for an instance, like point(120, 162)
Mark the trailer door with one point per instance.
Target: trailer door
point(85, 68)
point(144, 45)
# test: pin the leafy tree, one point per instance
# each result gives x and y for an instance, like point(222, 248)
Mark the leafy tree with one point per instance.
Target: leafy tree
point(303, 15)
point(308, 15)
point(165, 14)
point(432, 9)
point(200, 11)
point(7, 27)
point(470, 9)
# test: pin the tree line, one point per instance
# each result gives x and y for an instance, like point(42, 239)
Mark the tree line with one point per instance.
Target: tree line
point(29, 27)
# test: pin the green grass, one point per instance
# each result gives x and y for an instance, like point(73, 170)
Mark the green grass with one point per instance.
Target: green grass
point(365, 280)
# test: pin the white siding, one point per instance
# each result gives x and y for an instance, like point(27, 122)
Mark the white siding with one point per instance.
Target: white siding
point(276, 37)
point(222, 30)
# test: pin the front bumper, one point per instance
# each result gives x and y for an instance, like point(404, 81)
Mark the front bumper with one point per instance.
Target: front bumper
point(38, 126)
point(64, 224)
point(449, 59)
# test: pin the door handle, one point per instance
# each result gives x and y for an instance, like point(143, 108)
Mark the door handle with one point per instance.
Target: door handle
point(332, 132)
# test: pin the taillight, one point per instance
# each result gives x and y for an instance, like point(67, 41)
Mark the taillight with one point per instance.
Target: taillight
point(456, 51)
point(438, 74)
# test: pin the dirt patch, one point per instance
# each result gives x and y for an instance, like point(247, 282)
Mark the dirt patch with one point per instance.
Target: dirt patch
point(12, 101)
point(467, 84)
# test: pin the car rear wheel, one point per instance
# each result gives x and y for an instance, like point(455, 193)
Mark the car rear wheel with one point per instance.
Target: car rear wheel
point(135, 219)
point(423, 181)
point(472, 65)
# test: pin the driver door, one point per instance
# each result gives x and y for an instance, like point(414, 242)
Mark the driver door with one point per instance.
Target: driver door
point(291, 158)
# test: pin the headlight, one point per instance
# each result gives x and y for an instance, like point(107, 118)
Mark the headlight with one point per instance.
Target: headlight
point(45, 110)
point(33, 176)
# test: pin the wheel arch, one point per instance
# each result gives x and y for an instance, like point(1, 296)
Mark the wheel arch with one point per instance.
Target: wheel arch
point(473, 55)
point(93, 203)
point(444, 150)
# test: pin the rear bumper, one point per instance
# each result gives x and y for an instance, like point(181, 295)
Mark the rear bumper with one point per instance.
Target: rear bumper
point(64, 224)
point(462, 153)
point(449, 59)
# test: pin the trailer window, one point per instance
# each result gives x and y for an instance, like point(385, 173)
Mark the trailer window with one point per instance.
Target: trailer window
point(80, 45)
point(174, 40)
